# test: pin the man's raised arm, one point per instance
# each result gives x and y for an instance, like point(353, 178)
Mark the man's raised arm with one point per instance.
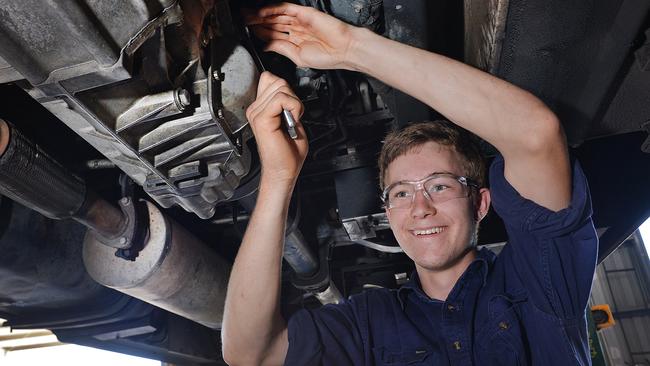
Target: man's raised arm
point(519, 125)
point(254, 332)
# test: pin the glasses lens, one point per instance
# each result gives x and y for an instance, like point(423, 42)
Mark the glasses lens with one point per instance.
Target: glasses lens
point(443, 188)
point(439, 188)
point(401, 195)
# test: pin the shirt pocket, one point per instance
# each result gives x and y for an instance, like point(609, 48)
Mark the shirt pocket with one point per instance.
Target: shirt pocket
point(406, 356)
point(503, 339)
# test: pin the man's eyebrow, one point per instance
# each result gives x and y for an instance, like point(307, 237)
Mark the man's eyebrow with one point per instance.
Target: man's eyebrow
point(434, 173)
point(443, 172)
point(426, 176)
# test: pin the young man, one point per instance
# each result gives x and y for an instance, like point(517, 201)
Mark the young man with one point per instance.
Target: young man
point(464, 306)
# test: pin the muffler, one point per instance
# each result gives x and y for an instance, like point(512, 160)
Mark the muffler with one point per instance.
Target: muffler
point(173, 270)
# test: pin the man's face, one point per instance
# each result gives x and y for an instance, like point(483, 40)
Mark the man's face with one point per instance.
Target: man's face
point(453, 222)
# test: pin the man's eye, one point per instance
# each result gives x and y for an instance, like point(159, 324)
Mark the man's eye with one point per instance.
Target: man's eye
point(438, 188)
point(400, 194)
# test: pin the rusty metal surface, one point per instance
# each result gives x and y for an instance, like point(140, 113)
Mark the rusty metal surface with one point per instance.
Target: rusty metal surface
point(174, 271)
point(485, 22)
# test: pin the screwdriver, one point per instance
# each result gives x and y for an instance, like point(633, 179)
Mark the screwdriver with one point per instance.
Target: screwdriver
point(287, 117)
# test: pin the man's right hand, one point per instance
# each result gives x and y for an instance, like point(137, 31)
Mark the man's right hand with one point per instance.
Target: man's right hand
point(254, 332)
point(281, 156)
point(308, 37)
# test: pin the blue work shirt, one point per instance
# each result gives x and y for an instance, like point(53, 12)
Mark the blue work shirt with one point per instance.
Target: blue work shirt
point(524, 307)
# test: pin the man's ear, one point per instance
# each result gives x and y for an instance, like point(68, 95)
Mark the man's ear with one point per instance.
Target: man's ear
point(387, 211)
point(482, 205)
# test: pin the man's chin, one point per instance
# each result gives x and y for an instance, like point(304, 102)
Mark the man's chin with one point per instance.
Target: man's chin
point(443, 263)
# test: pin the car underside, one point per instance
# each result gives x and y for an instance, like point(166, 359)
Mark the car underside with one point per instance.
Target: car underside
point(129, 171)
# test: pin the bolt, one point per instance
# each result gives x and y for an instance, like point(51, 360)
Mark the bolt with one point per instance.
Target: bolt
point(184, 97)
point(125, 201)
point(123, 241)
point(220, 113)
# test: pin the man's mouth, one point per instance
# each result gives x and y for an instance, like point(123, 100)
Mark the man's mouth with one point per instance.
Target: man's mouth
point(429, 231)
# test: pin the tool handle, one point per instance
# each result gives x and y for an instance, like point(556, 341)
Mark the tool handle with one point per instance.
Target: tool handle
point(290, 123)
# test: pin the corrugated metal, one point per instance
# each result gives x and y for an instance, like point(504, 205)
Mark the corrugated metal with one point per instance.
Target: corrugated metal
point(623, 281)
point(626, 291)
point(636, 330)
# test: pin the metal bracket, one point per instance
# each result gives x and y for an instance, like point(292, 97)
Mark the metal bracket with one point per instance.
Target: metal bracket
point(135, 230)
point(365, 227)
point(169, 13)
point(215, 76)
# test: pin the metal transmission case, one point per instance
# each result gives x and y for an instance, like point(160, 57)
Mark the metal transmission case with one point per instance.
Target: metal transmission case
point(161, 92)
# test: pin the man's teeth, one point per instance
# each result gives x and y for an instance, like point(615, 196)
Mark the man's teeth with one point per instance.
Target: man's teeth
point(433, 230)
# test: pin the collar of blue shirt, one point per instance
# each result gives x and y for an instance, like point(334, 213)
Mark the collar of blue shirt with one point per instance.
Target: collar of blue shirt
point(479, 267)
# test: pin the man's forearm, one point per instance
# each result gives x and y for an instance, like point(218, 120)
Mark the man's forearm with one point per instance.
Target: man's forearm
point(252, 320)
point(496, 110)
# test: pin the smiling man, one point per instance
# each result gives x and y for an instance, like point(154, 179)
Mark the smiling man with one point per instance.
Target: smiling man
point(433, 199)
point(463, 306)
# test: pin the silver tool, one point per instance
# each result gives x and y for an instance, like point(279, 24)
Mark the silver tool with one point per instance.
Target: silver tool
point(287, 117)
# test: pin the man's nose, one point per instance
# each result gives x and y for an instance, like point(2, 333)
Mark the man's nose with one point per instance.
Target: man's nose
point(422, 205)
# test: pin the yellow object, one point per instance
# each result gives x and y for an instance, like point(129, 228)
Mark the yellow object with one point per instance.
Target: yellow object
point(602, 315)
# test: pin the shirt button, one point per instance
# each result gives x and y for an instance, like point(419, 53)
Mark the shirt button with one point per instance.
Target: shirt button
point(457, 345)
point(451, 307)
point(504, 325)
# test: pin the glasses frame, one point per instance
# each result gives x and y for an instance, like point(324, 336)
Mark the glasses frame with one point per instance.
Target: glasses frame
point(419, 185)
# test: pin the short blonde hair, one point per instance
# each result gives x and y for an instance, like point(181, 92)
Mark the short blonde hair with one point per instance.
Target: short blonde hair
point(445, 133)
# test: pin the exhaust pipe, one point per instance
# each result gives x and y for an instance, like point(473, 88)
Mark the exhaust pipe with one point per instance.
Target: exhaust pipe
point(32, 178)
point(311, 275)
point(173, 271)
point(165, 265)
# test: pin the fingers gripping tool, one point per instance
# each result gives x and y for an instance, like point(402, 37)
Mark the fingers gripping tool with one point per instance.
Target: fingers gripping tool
point(287, 117)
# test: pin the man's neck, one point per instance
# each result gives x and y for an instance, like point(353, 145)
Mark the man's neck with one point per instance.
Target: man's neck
point(437, 284)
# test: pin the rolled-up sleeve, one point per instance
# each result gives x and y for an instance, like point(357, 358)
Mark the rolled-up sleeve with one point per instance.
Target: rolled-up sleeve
point(554, 254)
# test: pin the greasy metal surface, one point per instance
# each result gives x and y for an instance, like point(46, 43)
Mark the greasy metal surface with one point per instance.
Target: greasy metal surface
point(298, 254)
point(155, 142)
point(296, 251)
point(406, 22)
point(174, 271)
point(485, 22)
point(148, 108)
point(572, 55)
point(331, 295)
point(152, 120)
point(629, 109)
point(104, 219)
point(31, 35)
point(170, 14)
point(363, 13)
point(8, 73)
point(28, 175)
point(31, 177)
point(364, 227)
